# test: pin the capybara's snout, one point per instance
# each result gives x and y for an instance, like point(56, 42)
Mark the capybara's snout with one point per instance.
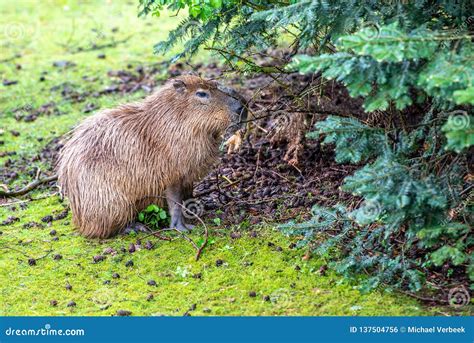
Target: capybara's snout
point(238, 116)
point(237, 105)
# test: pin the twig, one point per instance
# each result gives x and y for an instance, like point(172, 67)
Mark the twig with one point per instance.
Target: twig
point(25, 254)
point(28, 200)
point(157, 234)
point(29, 187)
point(46, 255)
point(17, 250)
point(436, 300)
point(206, 234)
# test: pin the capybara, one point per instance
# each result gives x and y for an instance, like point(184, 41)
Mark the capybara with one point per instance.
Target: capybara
point(120, 160)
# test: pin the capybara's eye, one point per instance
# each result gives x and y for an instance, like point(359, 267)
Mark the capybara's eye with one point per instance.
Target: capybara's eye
point(202, 94)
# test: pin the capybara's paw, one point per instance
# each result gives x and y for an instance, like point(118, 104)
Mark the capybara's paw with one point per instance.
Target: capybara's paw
point(135, 227)
point(184, 227)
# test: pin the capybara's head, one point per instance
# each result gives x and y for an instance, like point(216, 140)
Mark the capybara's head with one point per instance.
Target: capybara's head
point(211, 106)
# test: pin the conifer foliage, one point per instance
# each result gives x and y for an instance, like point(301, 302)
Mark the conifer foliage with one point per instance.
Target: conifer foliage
point(413, 64)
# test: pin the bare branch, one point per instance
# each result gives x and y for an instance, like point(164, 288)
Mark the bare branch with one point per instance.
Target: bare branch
point(29, 187)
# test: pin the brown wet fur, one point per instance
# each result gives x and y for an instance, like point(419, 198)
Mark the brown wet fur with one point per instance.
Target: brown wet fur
point(120, 160)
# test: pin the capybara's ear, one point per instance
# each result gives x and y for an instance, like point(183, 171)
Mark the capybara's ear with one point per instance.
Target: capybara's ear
point(179, 85)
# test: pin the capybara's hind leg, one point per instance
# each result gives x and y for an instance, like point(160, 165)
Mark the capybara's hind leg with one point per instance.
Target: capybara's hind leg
point(107, 215)
point(174, 197)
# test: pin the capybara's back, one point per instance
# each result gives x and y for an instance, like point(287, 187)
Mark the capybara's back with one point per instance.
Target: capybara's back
point(119, 160)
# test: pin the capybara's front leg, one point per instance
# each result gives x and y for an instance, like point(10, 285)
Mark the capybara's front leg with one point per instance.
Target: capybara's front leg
point(174, 197)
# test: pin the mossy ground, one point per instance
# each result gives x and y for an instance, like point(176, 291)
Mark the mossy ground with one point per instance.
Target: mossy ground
point(229, 269)
point(53, 32)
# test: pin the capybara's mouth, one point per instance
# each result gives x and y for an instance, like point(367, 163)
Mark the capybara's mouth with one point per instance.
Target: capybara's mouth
point(238, 121)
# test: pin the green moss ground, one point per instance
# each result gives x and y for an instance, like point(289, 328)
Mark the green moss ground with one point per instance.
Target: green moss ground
point(249, 264)
point(49, 32)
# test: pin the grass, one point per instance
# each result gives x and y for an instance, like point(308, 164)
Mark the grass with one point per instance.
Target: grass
point(229, 269)
point(54, 31)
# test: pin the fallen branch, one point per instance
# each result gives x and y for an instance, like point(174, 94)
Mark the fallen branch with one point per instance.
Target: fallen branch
point(157, 233)
point(425, 299)
point(28, 188)
point(26, 255)
point(30, 199)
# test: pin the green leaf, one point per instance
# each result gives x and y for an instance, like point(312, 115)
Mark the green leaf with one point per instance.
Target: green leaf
point(378, 102)
point(449, 73)
point(355, 142)
point(464, 96)
point(152, 208)
point(216, 3)
point(194, 11)
point(389, 43)
point(448, 253)
point(470, 268)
